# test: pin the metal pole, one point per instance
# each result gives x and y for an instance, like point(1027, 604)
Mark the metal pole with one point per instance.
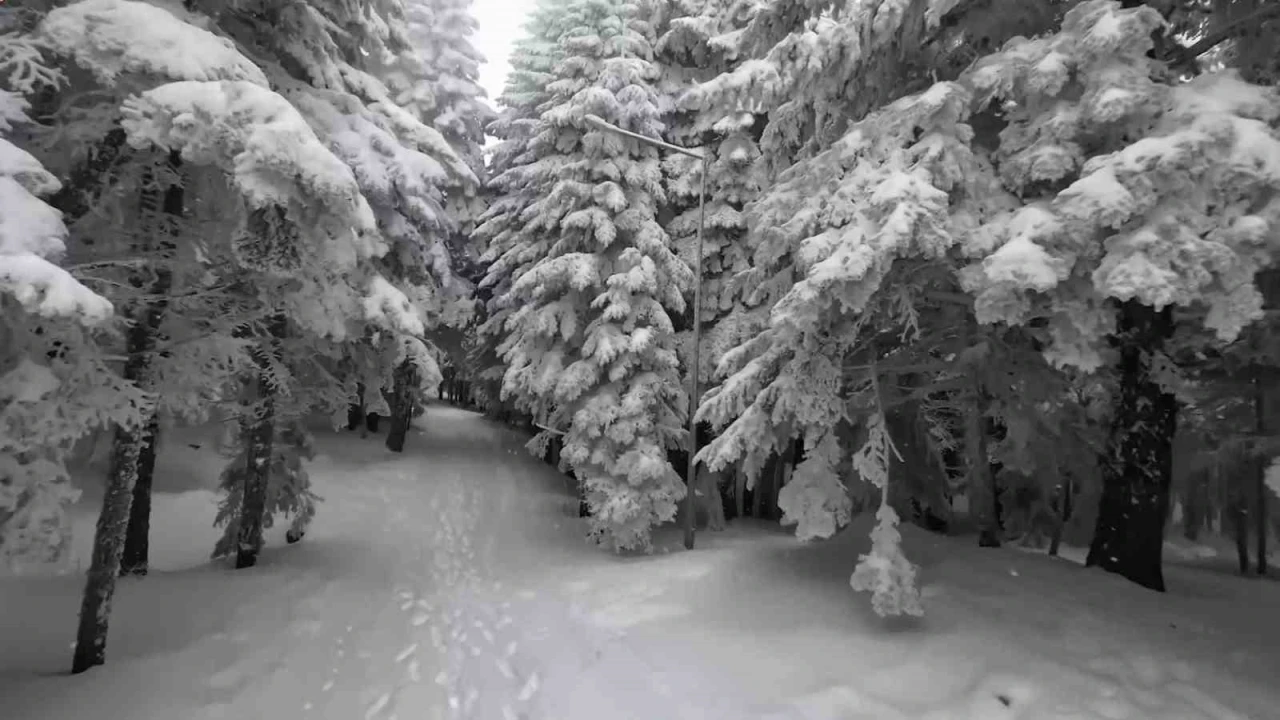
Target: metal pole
point(600, 124)
point(692, 473)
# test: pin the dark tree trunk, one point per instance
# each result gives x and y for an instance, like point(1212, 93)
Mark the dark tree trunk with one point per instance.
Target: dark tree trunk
point(108, 542)
point(1240, 526)
point(258, 428)
point(127, 453)
point(1066, 506)
point(584, 507)
point(1261, 382)
point(982, 488)
point(1129, 536)
point(113, 522)
point(770, 480)
point(915, 473)
point(1193, 507)
point(137, 540)
point(1262, 521)
point(772, 468)
point(554, 447)
point(404, 389)
point(740, 492)
point(137, 537)
point(355, 411)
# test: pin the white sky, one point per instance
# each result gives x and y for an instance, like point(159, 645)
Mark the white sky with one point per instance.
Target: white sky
point(500, 22)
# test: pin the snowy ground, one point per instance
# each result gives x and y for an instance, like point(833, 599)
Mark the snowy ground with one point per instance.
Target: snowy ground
point(455, 574)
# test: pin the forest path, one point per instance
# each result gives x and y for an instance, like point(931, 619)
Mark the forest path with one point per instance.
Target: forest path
point(452, 582)
point(437, 583)
point(462, 606)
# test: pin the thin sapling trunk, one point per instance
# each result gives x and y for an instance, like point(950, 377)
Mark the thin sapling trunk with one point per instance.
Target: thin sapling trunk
point(258, 430)
point(137, 538)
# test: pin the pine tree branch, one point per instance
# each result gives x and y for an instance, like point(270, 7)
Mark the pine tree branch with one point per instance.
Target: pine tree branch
point(544, 428)
point(1179, 54)
point(98, 264)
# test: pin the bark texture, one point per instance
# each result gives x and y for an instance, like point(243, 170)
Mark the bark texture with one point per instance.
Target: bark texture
point(137, 537)
point(258, 428)
point(1129, 537)
point(404, 389)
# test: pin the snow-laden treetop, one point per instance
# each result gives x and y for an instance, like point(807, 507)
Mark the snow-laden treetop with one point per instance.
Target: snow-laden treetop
point(105, 38)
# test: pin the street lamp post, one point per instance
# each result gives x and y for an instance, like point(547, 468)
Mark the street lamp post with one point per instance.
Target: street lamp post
point(691, 471)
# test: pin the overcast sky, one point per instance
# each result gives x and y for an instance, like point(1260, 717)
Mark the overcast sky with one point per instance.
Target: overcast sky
point(500, 22)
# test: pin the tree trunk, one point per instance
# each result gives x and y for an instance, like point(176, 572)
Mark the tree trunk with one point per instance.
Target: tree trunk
point(1193, 507)
point(1129, 536)
point(740, 493)
point(258, 429)
point(982, 498)
point(355, 410)
point(781, 477)
point(915, 471)
point(1064, 510)
point(113, 521)
point(1261, 384)
point(1240, 526)
point(405, 386)
point(771, 468)
point(108, 542)
point(137, 540)
point(711, 502)
point(127, 453)
point(137, 537)
point(1261, 520)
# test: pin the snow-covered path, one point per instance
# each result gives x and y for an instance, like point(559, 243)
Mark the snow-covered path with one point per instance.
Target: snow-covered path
point(452, 582)
point(427, 588)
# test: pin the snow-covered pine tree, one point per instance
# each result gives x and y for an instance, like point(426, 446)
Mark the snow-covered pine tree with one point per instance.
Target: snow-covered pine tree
point(804, 64)
point(510, 245)
point(1227, 424)
point(134, 257)
point(1251, 29)
point(330, 76)
point(434, 79)
point(698, 44)
point(851, 201)
point(810, 68)
point(440, 81)
point(403, 167)
point(174, 290)
point(126, 47)
point(54, 386)
point(1098, 178)
point(591, 347)
point(1140, 194)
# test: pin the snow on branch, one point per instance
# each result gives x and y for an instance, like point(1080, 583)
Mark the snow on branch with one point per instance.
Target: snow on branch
point(388, 305)
point(268, 149)
point(27, 224)
point(112, 37)
point(885, 572)
point(1184, 196)
point(383, 166)
point(31, 231)
point(46, 289)
point(815, 500)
